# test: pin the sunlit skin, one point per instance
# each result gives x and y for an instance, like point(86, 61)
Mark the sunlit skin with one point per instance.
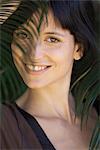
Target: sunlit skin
point(54, 47)
point(48, 97)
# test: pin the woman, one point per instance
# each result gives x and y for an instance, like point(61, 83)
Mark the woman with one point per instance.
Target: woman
point(46, 46)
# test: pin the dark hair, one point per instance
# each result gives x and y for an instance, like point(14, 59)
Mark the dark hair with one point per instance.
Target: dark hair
point(75, 15)
point(78, 17)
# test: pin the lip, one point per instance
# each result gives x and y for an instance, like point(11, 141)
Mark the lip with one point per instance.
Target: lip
point(36, 72)
point(36, 63)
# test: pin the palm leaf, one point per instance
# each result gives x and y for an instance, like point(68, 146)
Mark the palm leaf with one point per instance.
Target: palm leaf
point(10, 75)
point(95, 141)
point(83, 86)
point(7, 7)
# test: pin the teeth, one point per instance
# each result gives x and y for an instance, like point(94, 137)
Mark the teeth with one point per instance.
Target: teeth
point(35, 68)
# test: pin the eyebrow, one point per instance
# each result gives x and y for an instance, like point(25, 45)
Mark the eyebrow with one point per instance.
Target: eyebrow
point(56, 33)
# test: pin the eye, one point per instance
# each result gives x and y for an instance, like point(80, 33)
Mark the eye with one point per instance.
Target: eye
point(52, 40)
point(22, 35)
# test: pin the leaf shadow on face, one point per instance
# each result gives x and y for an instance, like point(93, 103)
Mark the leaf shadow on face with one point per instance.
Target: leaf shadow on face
point(12, 85)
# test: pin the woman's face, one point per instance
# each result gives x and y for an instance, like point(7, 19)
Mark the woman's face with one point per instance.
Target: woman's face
point(48, 57)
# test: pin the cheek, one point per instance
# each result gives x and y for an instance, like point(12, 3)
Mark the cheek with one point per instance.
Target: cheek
point(68, 52)
point(16, 52)
point(61, 54)
point(64, 58)
point(17, 56)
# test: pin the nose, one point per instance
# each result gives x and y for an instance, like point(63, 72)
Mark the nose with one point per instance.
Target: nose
point(36, 52)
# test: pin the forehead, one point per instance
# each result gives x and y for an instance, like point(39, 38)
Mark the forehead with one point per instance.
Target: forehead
point(45, 22)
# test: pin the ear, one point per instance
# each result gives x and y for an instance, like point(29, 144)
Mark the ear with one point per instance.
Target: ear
point(78, 52)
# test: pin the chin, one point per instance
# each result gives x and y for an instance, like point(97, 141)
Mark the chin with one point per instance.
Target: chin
point(35, 84)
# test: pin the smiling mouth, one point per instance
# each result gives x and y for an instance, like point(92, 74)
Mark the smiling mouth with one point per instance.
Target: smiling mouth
point(36, 68)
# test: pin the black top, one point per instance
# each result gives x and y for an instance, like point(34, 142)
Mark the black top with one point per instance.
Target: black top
point(42, 137)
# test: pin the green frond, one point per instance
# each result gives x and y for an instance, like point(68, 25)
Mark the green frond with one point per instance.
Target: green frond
point(82, 87)
point(95, 140)
point(7, 7)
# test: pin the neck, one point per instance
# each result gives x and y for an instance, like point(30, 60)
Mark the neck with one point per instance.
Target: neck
point(51, 101)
